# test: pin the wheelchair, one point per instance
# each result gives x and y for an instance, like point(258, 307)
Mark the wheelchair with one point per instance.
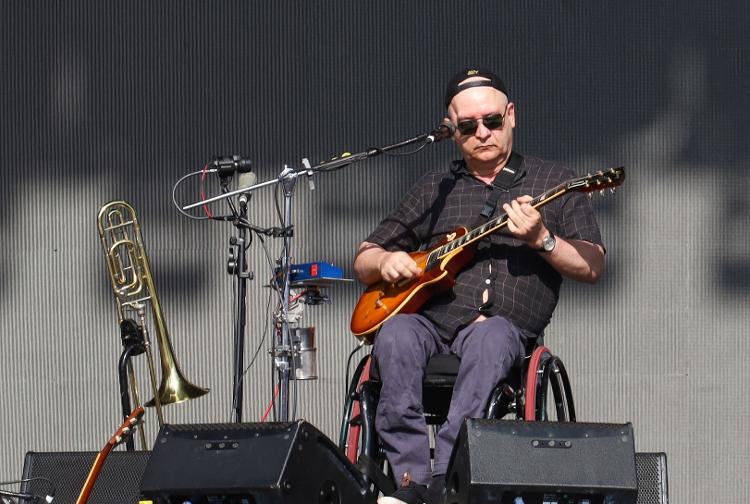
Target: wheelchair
point(525, 395)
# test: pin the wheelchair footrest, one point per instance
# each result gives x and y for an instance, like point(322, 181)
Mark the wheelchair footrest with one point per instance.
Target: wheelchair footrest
point(374, 472)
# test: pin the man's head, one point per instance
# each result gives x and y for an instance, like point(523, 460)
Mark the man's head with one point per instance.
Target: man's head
point(478, 106)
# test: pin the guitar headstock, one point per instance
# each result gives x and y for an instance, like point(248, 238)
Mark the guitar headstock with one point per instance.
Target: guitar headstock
point(607, 179)
point(127, 428)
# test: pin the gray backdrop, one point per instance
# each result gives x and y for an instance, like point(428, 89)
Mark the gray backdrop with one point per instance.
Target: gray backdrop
point(104, 99)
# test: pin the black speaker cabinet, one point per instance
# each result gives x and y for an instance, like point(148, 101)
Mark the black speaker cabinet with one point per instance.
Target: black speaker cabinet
point(651, 469)
point(261, 463)
point(542, 462)
point(118, 480)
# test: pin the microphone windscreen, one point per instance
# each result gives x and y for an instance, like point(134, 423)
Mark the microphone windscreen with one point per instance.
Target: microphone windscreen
point(246, 180)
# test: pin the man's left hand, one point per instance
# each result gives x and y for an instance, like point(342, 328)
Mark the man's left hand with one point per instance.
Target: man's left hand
point(525, 222)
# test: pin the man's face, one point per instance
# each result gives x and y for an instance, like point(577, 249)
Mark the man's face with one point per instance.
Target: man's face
point(484, 146)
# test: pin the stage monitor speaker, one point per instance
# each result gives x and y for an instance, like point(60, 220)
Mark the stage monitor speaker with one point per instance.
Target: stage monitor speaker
point(651, 469)
point(508, 462)
point(118, 481)
point(260, 463)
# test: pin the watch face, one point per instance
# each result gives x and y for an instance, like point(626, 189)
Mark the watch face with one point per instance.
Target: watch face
point(548, 243)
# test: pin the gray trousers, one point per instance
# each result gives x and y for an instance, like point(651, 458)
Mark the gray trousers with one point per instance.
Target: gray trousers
point(488, 351)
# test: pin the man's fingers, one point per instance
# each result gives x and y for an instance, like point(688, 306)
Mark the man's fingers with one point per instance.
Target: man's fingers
point(399, 266)
point(524, 199)
point(515, 216)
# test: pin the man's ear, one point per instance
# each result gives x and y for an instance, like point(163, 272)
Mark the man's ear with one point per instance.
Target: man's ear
point(511, 113)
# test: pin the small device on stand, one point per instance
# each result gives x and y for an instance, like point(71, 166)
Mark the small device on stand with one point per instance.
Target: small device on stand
point(307, 282)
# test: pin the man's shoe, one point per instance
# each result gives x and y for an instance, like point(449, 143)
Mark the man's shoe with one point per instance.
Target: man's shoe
point(409, 494)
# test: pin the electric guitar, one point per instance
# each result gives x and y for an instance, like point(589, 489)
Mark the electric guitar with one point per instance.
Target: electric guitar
point(126, 429)
point(442, 263)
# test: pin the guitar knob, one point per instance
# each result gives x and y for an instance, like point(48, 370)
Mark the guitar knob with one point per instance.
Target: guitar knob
point(382, 305)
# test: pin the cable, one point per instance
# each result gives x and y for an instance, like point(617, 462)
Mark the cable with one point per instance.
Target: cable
point(174, 197)
point(270, 405)
point(257, 349)
point(273, 373)
point(208, 216)
point(50, 494)
point(408, 153)
point(278, 206)
point(207, 210)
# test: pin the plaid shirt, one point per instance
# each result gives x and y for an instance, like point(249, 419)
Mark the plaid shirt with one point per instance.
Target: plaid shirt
point(517, 283)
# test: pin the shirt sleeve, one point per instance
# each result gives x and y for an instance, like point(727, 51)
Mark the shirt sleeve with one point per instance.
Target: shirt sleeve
point(399, 230)
point(577, 220)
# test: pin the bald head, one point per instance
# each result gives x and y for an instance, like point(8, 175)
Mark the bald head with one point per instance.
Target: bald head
point(476, 89)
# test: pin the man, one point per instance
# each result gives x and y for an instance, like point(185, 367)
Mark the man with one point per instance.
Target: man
point(501, 299)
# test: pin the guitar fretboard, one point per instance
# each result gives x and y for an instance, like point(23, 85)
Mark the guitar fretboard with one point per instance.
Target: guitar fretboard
point(589, 183)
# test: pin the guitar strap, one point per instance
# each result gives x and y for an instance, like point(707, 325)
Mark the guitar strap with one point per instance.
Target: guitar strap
point(508, 177)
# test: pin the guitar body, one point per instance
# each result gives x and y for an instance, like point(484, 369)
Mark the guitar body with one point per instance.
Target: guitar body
point(383, 300)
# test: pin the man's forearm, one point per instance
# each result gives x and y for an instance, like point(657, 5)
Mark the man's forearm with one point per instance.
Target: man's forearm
point(367, 263)
point(576, 259)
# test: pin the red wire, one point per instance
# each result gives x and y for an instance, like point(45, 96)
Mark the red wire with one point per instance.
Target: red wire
point(204, 172)
point(270, 405)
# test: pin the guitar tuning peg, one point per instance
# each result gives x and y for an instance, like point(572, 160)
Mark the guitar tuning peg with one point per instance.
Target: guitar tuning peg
point(601, 193)
point(590, 195)
point(612, 190)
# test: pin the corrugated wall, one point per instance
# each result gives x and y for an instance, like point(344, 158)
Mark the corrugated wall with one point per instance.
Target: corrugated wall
point(104, 100)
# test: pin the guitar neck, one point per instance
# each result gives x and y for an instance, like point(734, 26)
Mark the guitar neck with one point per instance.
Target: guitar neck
point(493, 225)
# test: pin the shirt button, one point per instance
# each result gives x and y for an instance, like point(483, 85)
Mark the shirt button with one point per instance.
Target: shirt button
point(487, 281)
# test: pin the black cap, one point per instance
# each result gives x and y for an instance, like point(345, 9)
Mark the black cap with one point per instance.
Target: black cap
point(455, 86)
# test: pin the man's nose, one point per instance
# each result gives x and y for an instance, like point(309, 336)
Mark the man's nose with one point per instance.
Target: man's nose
point(482, 132)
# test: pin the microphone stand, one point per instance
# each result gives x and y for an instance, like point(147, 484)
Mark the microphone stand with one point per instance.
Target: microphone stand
point(283, 356)
point(237, 265)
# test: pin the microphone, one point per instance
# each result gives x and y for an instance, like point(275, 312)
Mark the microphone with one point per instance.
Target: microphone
point(226, 166)
point(246, 179)
point(441, 132)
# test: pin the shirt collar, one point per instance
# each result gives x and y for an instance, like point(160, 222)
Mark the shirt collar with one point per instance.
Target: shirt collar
point(459, 168)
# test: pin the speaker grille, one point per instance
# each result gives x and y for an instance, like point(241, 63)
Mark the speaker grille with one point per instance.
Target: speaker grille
point(651, 471)
point(118, 482)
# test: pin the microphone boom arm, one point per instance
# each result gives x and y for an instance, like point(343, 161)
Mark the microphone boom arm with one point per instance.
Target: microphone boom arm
point(290, 173)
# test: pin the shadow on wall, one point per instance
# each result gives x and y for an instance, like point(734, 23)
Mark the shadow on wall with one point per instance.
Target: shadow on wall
point(124, 109)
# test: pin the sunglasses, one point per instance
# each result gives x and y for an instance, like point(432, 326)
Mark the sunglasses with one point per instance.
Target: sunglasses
point(490, 121)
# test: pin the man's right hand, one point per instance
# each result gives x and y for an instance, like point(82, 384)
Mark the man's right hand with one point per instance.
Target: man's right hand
point(373, 264)
point(396, 266)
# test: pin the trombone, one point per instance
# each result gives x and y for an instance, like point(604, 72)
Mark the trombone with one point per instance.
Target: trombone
point(134, 291)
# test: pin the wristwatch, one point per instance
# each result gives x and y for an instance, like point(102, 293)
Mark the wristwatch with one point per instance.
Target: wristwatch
point(548, 243)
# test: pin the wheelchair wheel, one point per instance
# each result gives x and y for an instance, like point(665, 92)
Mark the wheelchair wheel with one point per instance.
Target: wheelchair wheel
point(357, 438)
point(547, 370)
point(358, 421)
